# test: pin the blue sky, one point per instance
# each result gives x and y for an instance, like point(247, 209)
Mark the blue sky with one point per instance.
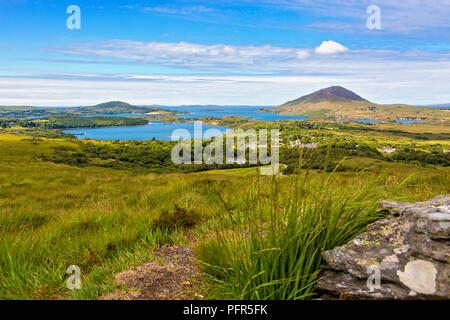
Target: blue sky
point(222, 52)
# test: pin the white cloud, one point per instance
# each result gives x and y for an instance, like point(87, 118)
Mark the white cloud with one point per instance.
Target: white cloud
point(397, 16)
point(331, 47)
point(347, 16)
point(178, 10)
point(191, 55)
point(302, 54)
point(258, 75)
point(379, 80)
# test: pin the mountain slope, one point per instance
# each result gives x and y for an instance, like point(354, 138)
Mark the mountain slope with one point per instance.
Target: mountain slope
point(331, 94)
point(113, 107)
point(338, 102)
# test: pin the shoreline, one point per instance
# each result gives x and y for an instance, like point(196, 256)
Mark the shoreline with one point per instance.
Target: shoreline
point(162, 122)
point(137, 125)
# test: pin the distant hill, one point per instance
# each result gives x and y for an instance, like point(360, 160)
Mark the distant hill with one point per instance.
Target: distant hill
point(337, 102)
point(113, 107)
point(113, 104)
point(443, 105)
point(26, 111)
point(108, 108)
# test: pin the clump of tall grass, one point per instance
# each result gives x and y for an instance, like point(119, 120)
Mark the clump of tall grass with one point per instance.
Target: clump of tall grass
point(179, 217)
point(268, 245)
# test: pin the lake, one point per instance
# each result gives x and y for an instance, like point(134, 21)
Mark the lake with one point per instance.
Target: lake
point(398, 121)
point(218, 111)
point(116, 115)
point(155, 129)
point(163, 130)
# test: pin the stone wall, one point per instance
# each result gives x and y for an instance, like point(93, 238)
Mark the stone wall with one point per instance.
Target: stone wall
point(403, 256)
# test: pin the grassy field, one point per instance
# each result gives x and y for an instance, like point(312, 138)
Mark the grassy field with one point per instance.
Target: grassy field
point(106, 220)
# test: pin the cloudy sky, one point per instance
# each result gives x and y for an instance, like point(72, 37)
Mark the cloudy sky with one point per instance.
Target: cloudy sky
point(252, 52)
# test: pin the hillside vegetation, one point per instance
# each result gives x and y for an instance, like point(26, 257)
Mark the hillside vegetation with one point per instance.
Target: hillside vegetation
point(107, 212)
point(339, 103)
point(65, 122)
point(107, 108)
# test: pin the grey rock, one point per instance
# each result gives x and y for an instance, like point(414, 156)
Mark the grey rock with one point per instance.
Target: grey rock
point(408, 251)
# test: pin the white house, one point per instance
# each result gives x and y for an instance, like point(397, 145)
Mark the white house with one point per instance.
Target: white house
point(310, 145)
point(387, 150)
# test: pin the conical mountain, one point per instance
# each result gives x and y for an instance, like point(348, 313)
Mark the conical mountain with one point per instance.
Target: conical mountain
point(339, 102)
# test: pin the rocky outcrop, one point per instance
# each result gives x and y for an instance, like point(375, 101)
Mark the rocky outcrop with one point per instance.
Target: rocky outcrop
point(403, 256)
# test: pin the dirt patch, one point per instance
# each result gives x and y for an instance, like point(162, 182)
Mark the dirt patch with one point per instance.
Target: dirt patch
point(174, 275)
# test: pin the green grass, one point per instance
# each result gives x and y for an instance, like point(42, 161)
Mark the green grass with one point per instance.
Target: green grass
point(267, 243)
point(248, 230)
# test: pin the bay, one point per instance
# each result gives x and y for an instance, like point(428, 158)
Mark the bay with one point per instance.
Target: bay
point(155, 129)
point(164, 130)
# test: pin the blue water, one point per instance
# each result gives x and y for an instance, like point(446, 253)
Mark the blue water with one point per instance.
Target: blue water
point(217, 111)
point(118, 115)
point(164, 130)
point(99, 115)
point(365, 120)
point(158, 130)
point(407, 121)
point(31, 117)
point(398, 121)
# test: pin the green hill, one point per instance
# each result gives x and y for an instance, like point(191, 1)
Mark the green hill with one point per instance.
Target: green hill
point(338, 102)
point(114, 107)
point(113, 104)
point(110, 108)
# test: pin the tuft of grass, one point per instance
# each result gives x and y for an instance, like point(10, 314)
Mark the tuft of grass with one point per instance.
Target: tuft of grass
point(270, 245)
point(177, 218)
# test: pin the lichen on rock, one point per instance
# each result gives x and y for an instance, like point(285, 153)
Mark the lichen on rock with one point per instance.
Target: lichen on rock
point(410, 248)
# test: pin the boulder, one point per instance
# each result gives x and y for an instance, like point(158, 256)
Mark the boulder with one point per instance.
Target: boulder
point(403, 256)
